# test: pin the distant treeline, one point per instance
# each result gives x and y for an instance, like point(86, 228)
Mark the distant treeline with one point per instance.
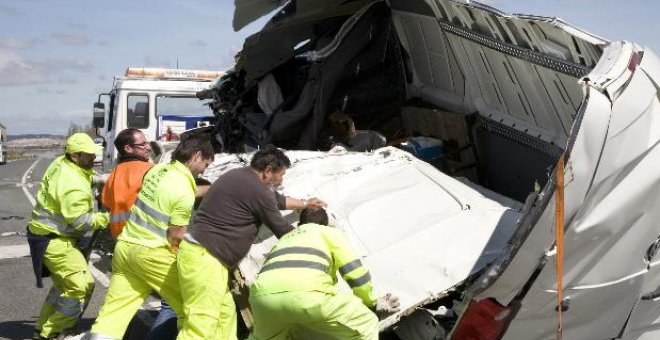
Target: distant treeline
point(36, 136)
point(73, 128)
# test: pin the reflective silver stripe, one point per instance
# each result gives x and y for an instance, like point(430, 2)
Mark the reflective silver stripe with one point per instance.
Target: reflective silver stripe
point(52, 296)
point(71, 311)
point(57, 221)
point(68, 306)
point(96, 336)
point(43, 212)
point(362, 280)
point(349, 267)
point(190, 239)
point(294, 264)
point(121, 217)
point(85, 221)
point(152, 212)
point(299, 250)
point(146, 225)
point(50, 223)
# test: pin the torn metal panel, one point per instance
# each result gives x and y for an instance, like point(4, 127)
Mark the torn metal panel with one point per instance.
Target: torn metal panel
point(419, 231)
point(604, 261)
point(543, 87)
point(247, 11)
point(611, 223)
point(536, 236)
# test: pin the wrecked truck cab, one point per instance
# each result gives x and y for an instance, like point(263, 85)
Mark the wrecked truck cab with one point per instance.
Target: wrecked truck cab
point(420, 232)
point(508, 95)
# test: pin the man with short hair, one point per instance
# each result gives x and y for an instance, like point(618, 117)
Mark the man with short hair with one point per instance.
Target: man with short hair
point(225, 226)
point(145, 254)
point(125, 181)
point(295, 290)
point(63, 214)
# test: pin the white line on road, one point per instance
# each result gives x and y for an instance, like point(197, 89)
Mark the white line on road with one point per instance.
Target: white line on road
point(10, 252)
point(23, 249)
point(12, 233)
point(100, 277)
point(24, 186)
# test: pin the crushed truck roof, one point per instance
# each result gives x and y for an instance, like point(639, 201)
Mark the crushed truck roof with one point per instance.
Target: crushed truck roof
point(419, 231)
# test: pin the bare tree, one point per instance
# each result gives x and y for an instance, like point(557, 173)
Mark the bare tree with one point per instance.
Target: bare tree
point(75, 128)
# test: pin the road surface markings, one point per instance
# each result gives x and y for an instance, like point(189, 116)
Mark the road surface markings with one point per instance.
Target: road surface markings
point(23, 249)
point(24, 185)
point(100, 277)
point(10, 252)
point(12, 233)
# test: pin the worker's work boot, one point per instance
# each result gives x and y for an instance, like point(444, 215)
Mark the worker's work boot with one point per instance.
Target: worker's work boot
point(37, 336)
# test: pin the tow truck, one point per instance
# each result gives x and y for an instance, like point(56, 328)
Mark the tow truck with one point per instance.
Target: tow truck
point(151, 99)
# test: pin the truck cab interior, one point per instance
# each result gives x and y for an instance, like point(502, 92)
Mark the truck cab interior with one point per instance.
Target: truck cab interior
point(501, 92)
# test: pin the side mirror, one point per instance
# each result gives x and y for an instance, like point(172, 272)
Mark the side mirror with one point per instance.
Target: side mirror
point(99, 115)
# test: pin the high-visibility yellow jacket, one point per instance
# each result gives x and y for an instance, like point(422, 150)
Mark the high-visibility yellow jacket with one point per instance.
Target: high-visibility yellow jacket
point(166, 198)
point(65, 203)
point(307, 259)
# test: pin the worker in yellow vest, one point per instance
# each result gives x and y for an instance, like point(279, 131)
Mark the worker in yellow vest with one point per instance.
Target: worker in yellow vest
point(145, 255)
point(63, 213)
point(295, 291)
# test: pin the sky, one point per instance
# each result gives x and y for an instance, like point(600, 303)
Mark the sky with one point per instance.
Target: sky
point(56, 56)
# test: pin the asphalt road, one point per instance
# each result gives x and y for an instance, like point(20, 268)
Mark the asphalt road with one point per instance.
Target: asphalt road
point(20, 300)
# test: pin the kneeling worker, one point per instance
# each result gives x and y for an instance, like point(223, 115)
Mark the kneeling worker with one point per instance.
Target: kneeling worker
point(296, 286)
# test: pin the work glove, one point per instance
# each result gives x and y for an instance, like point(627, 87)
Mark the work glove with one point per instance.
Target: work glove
point(100, 180)
point(387, 305)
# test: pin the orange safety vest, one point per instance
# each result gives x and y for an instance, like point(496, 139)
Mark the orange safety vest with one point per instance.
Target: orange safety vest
point(121, 190)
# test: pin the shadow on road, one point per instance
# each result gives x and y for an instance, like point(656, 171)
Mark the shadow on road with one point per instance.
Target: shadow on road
point(23, 329)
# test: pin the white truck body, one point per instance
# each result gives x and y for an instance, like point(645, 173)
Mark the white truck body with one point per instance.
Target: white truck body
point(533, 89)
point(419, 231)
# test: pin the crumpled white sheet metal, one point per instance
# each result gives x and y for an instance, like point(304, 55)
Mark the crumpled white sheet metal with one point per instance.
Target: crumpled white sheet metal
point(419, 231)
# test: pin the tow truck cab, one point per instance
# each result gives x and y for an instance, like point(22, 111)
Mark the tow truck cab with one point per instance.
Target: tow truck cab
point(151, 99)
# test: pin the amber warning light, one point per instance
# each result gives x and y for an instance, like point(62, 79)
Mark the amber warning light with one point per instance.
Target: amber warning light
point(163, 73)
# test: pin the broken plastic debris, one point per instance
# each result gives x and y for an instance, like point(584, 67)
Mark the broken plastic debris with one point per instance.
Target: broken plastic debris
point(442, 311)
point(338, 150)
point(12, 217)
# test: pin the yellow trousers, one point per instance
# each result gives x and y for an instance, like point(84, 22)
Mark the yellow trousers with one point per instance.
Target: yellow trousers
point(208, 304)
point(312, 315)
point(72, 287)
point(137, 270)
